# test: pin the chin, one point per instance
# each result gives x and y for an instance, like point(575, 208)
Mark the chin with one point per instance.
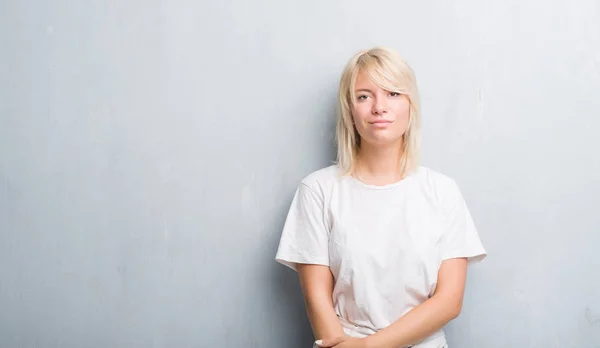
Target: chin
point(383, 141)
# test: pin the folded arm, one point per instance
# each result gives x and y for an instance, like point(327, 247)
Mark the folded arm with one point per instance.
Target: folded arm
point(430, 316)
point(316, 282)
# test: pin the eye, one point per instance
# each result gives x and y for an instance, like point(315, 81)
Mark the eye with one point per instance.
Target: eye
point(361, 97)
point(394, 94)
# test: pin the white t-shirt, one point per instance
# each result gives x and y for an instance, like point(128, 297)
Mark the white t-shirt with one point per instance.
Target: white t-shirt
point(383, 244)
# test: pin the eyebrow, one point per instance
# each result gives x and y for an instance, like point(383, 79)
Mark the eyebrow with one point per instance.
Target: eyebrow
point(363, 90)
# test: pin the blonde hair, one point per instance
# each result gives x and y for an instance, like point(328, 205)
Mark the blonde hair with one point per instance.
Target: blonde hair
point(388, 70)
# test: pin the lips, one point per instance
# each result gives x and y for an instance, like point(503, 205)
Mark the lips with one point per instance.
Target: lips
point(380, 122)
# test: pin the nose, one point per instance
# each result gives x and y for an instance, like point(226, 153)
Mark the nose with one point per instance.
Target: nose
point(379, 106)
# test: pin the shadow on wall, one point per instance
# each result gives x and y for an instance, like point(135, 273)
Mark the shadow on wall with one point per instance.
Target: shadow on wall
point(294, 330)
point(292, 311)
point(286, 286)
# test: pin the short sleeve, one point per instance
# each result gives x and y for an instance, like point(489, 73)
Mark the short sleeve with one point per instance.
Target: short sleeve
point(305, 237)
point(460, 238)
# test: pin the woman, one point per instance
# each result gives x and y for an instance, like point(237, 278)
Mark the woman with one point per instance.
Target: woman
point(381, 244)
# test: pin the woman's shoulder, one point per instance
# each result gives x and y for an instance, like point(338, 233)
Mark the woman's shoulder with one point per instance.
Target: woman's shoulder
point(436, 183)
point(320, 178)
point(433, 176)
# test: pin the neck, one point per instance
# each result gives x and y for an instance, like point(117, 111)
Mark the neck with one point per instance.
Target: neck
point(379, 165)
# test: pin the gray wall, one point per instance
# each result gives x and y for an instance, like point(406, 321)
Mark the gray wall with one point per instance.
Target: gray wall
point(149, 151)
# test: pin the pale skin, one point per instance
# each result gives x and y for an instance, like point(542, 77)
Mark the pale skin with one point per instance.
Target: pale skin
point(381, 118)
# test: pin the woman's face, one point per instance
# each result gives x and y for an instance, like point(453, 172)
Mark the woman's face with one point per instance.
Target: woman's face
point(380, 117)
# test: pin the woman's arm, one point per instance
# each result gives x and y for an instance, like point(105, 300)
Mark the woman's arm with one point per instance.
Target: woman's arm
point(316, 282)
point(430, 316)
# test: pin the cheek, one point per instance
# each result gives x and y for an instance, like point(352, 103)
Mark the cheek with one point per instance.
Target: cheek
point(402, 112)
point(402, 107)
point(359, 114)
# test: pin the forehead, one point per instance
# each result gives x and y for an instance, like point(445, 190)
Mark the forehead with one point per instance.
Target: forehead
point(373, 79)
point(364, 78)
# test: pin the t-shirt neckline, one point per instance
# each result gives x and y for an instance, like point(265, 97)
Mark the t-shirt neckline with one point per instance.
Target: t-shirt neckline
point(401, 182)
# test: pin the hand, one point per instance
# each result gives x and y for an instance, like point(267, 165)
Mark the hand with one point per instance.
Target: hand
point(341, 342)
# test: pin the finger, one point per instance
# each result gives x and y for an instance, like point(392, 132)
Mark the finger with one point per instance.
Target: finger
point(330, 342)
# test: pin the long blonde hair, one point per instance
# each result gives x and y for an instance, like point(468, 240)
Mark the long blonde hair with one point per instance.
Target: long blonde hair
point(388, 70)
